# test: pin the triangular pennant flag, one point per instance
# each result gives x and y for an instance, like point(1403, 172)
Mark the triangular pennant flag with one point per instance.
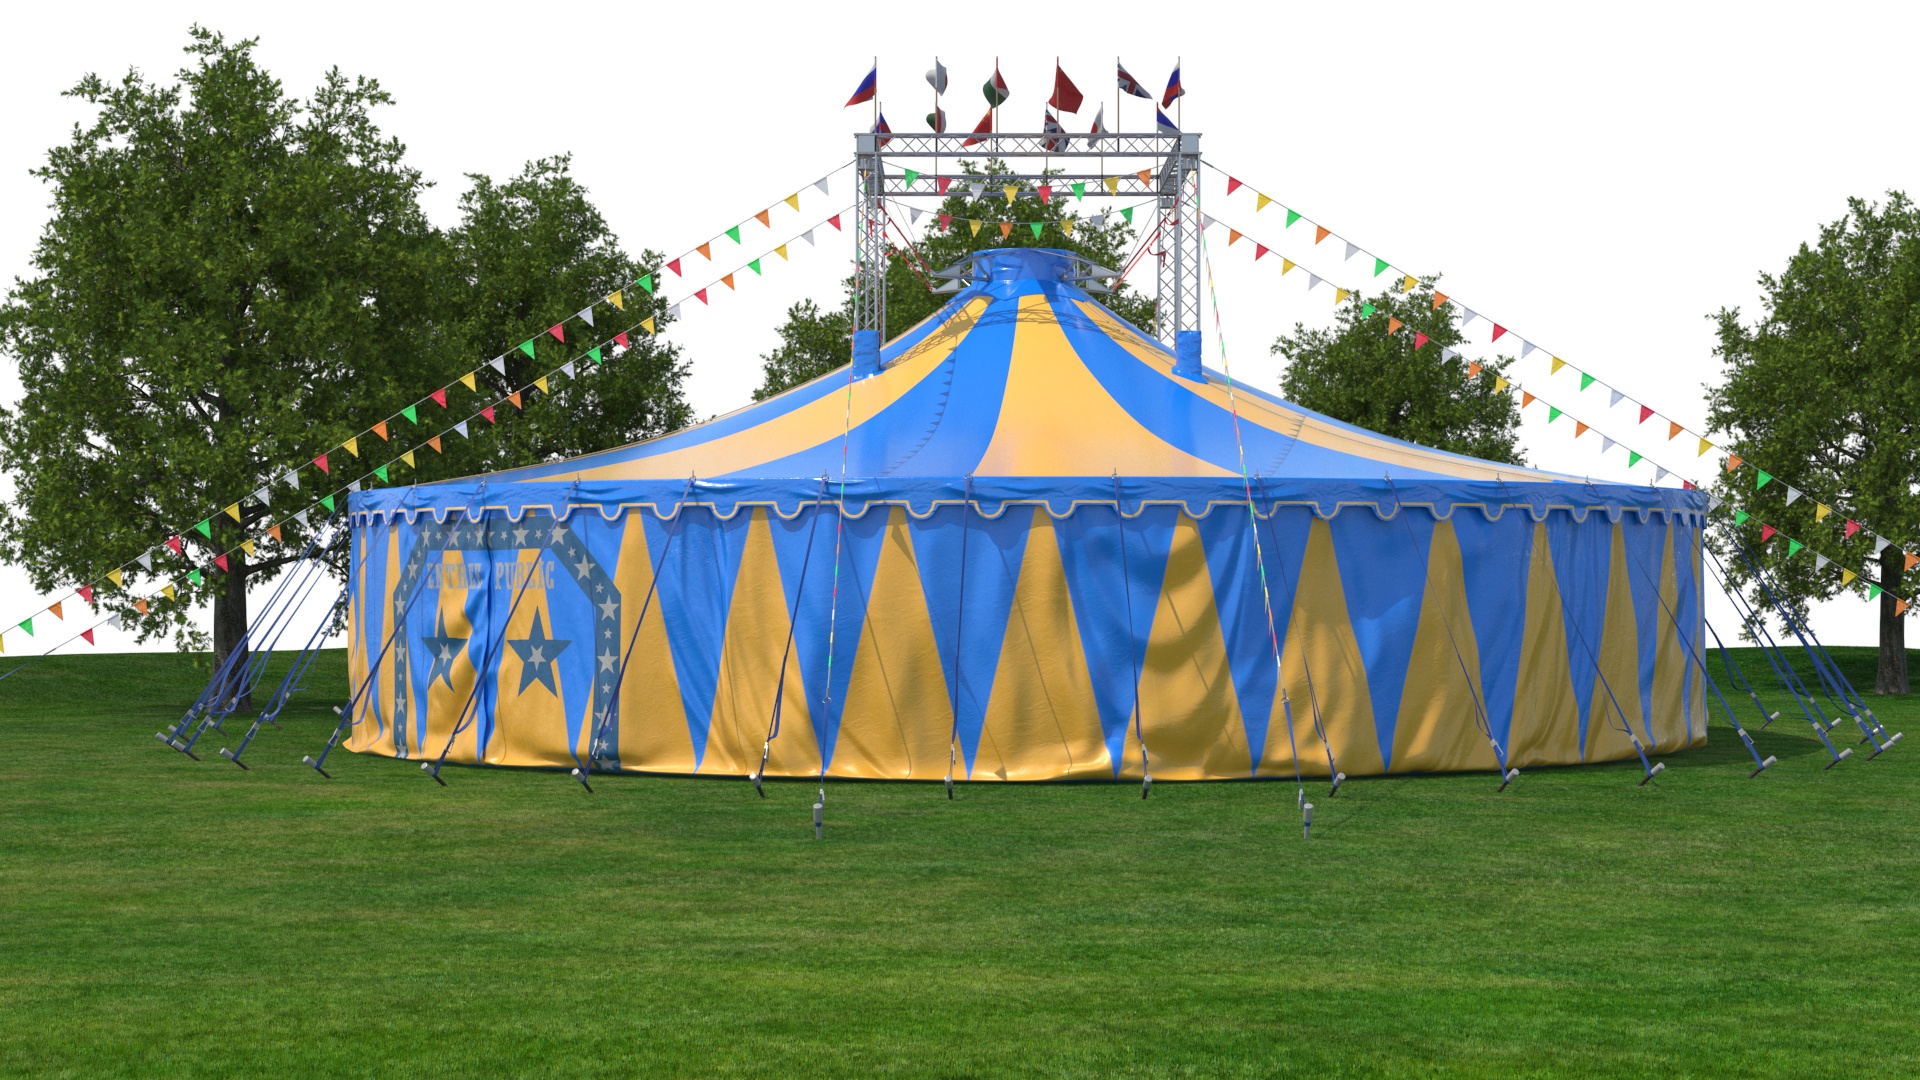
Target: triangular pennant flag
point(146, 559)
point(1340, 297)
point(975, 224)
point(407, 456)
point(618, 300)
point(673, 312)
point(1873, 591)
point(701, 295)
point(1793, 547)
point(1010, 192)
point(1467, 316)
point(234, 511)
point(193, 575)
point(273, 530)
point(468, 379)
point(1847, 576)
point(1526, 349)
point(1900, 607)
point(1633, 458)
point(1820, 511)
point(822, 184)
point(327, 501)
point(1006, 229)
point(301, 517)
point(1764, 477)
point(733, 234)
point(1259, 252)
point(321, 462)
point(1292, 216)
point(1734, 462)
point(1660, 473)
point(292, 478)
point(205, 527)
point(1079, 190)
point(1704, 447)
point(1473, 369)
point(1580, 429)
point(1498, 330)
point(379, 429)
point(706, 251)
point(835, 222)
point(782, 252)
point(27, 624)
point(1351, 248)
point(1880, 544)
point(59, 612)
point(1394, 325)
point(1586, 380)
point(1645, 412)
point(1066, 226)
point(1792, 494)
point(1911, 560)
point(461, 427)
point(1407, 283)
point(727, 280)
point(541, 382)
point(647, 325)
point(527, 347)
point(499, 364)
point(353, 446)
point(558, 333)
point(1553, 413)
point(1613, 398)
point(514, 399)
point(1321, 232)
point(439, 397)
point(1113, 185)
point(1378, 266)
point(567, 369)
point(486, 412)
point(1557, 365)
point(174, 543)
point(1313, 281)
point(1366, 311)
point(1260, 201)
point(1852, 527)
point(1526, 398)
point(1146, 176)
point(1820, 561)
point(221, 562)
point(1438, 299)
point(1286, 265)
point(1127, 213)
point(585, 315)
point(434, 441)
point(1036, 226)
point(766, 219)
point(247, 546)
point(117, 578)
point(793, 200)
point(412, 414)
point(1606, 444)
point(754, 265)
point(1419, 340)
point(1740, 517)
point(593, 354)
point(620, 339)
point(88, 634)
point(1766, 532)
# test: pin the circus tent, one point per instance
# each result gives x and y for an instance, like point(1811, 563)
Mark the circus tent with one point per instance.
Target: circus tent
point(1019, 545)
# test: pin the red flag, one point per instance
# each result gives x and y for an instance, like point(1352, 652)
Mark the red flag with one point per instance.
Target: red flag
point(1046, 193)
point(1419, 339)
point(88, 634)
point(835, 222)
point(557, 334)
point(1066, 96)
point(620, 339)
point(942, 183)
point(1232, 185)
point(946, 222)
point(1645, 411)
point(983, 127)
point(1498, 330)
point(701, 295)
point(1852, 527)
point(322, 462)
point(1258, 251)
point(675, 267)
point(440, 396)
point(86, 591)
point(174, 543)
point(868, 87)
point(221, 562)
point(1766, 533)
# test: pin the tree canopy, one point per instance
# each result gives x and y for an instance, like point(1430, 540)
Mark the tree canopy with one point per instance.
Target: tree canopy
point(1367, 370)
point(233, 279)
point(814, 342)
point(1826, 382)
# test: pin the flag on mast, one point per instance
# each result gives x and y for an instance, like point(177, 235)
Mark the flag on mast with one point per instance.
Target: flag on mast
point(995, 89)
point(1160, 121)
point(937, 119)
point(1050, 124)
point(1066, 96)
point(1099, 127)
point(1132, 85)
point(1174, 89)
point(869, 86)
point(937, 76)
point(985, 126)
point(881, 129)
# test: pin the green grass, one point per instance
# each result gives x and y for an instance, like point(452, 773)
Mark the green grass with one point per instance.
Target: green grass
point(162, 917)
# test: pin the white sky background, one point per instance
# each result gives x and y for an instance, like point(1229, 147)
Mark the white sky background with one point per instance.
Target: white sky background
point(1598, 178)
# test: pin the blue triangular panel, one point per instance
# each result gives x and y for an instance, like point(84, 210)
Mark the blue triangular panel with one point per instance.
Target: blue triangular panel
point(1646, 546)
point(1383, 572)
point(695, 593)
point(994, 549)
point(1582, 561)
point(1496, 556)
point(819, 617)
point(1237, 594)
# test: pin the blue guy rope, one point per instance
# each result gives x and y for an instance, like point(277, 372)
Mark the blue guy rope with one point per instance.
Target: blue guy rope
point(1819, 728)
point(302, 662)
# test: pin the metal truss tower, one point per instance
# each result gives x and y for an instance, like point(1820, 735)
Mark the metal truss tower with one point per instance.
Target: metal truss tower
point(1165, 167)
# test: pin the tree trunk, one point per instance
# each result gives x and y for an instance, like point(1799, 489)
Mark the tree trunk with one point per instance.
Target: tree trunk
point(230, 631)
point(1891, 676)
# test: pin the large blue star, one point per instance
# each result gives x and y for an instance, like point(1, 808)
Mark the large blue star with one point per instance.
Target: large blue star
point(537, 653)
point(443, 651)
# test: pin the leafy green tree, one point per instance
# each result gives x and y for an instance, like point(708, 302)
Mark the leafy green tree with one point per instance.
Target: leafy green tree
point(814, 342)
point(1368, 374)
point(1824, 386)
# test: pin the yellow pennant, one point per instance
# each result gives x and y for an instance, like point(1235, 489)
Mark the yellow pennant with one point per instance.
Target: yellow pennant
point(793, 200)
point(1260, 203)
point(468, 379)
point(168, 589)
point(1011, 192)
point(1557, 365)
point(116, 577)
point(1113, 185)
point(1407, 283)
point(1847, 576)
point(782, 252)
point(1704, 447)
point(1499, 384)
point(407, 456)
point(353, 446)
point(541, 382)
point(975, 224)
point(1340, 296)
point(246, 546)
point(1285, 265)
point(1066, 226)
point(234, 511)
point(617, 300)
point(647, 325)
point(1820, 511)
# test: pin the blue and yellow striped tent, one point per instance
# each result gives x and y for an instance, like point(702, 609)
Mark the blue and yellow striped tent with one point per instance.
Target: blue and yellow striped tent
point(1045, 559)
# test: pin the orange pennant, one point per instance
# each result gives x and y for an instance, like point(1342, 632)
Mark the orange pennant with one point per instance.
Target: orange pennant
point(1733, 462)
point(1233, 237)
point(1911, 559)
point(140, 606)
point(273, 531)
point(1673, 431)
point(727, 280)
point(1900, 607)
point(1526, 399)
point(1146, 177)
point(1394, 325)
point(435, 443)
point(1321, 232)
point(1473, 370)
point(55, 608)
point(764, 219)
point(1006, 229)
point(1438, 299)
point(380, 429)
point(706, 251)
point(515, 398)
point(1579, 429)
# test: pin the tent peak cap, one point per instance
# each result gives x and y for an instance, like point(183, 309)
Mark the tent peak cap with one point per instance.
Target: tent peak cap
point(1022, 264)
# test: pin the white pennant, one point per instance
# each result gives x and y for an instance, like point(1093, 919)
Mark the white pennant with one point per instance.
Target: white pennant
point(112, 623)
point(1526, 347)
point(146, 563)
point(1714, 502)
point(567, 369)
point(1606, 444)
point(499, 364)
point(1659, 474)
point(822, 185)
point(353, 485)
point(1820, 562)
point(1206, 221)
point(1792, 494)
point(673, 312)
point(586, 314)
point(294, 479)
point(1448, 353)
point(1351, 248)
point(1470, 317)
point(301, 517)
point(808, 237)
point(1313, 282)
point(461, 427)
point(1614, 398)
point(1880, 544)
point(1097, 220)
point(913, 214)
point(264, 497)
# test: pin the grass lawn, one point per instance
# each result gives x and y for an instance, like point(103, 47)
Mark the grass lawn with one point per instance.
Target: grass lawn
point(162, 917)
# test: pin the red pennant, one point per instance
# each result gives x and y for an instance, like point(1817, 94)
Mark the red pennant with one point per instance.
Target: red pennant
point(88, 634)
point(1689, 485)
point(1258, 251)
point(1645, 411)
point(221, 562)
point(835, 222)
point(86, 591)
point(946, 222)
point(700, 295)
point(1852, 527)
point(174, 543)
point(1046, 193)
point(488, 413)
point(1232, 185)
point(1498, 330)
point(1766, 533)
point(321, 461)
point(620, 339)
point(675, 267)
point(942, 183)
point(558, 334)
point(1419, 339)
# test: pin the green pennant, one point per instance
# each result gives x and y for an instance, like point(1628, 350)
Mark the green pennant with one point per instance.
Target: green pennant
point(1079, 190)
point(1366, 311)
point(594, 354)
point(1740, 517)
point(381, 472)
point(1633, 458)
point(754, 266)
point(1378, 266)
point(27, 625)
point(327, 501)
point(1036, 226)
point(1873, 591)
point(1764, 477)
point(1292, 216)
point(1552, 414)
point(204, 527)
point(1127, 213)
point(1793, 547)
point(1586, 380)
point(911, 177)
point(733, 234)
point(413, 416)
point(527, 347)
point(193, 575)
point(646, 284)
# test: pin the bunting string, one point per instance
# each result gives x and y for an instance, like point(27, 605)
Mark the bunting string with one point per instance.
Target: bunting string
point(1616, 395)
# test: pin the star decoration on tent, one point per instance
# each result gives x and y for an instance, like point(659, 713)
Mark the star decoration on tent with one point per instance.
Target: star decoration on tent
point(443, 651)
point(537, 653)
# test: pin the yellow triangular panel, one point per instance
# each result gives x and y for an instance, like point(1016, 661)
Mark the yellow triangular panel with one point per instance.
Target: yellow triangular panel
point(1320, 661)
point(750, 671)
point(898, 716)
point(1188, 709)
point(1619, 666)
point(1546, 718)
point(653, 726)
point(1670, 659)
point(1041, 721)
point(1439, 726)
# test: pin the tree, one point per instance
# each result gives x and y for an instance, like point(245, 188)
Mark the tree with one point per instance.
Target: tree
point(815, 342)
point(1370, 373)
point(1822, 387)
